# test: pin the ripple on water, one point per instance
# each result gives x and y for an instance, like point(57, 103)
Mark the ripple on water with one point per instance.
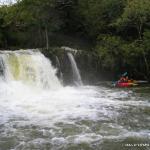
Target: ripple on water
point(73, 118)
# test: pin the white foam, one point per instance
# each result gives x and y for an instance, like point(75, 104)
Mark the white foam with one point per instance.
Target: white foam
point(23, 106)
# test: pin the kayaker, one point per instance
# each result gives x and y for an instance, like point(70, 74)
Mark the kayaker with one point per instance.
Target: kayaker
point(122, 79)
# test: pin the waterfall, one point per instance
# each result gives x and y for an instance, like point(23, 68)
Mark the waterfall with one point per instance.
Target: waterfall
point(59, 69)
point(2, 68)
point(30, 67)
point(76, 73)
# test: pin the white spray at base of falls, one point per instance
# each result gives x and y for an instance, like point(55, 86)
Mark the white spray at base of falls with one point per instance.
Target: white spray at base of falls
point(83, 117)
point(76, 73)
point(29, 67)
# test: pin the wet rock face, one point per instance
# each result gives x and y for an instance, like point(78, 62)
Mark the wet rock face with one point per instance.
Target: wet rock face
point(88, 64)
point(2, 67)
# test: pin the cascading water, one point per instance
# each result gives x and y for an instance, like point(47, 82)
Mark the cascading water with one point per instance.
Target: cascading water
point(2, 67)
point(29, 67)
point(76, 73)
point(54, 118)
point(60, 74)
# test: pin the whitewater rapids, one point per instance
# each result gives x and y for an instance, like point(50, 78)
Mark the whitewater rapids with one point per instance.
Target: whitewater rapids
point(37, 112)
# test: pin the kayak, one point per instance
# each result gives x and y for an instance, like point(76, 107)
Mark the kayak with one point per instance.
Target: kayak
point(130, 84)
point(125, 84)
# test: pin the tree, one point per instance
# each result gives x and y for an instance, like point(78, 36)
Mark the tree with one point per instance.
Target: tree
point(43, 15)
point(136, 15)
point(36, 17)
point(110, 52)
point(146, 51)
point(99, 14)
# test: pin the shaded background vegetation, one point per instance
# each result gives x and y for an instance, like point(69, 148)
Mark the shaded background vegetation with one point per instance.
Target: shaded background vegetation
point(114, 33)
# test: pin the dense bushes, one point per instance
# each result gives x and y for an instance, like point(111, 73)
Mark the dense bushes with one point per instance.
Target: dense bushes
point(117, 30)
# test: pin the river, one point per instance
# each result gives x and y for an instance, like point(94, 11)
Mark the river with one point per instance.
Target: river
point(38, 113)
point(83, 118)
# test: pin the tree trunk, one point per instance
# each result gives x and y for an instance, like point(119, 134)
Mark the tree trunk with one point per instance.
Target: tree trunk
point(6, 43)
point(46, 37)
point(140, 31)
point(146, 64)
point(140, 26)
point(40, 37)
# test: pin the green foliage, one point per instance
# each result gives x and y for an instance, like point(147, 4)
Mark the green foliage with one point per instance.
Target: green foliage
point(99, 14)
point(146, 40)
point(136, 15)
point(119, 30)
point(110, 51)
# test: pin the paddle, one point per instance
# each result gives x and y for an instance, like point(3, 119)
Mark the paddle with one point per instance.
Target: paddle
point(115, 82)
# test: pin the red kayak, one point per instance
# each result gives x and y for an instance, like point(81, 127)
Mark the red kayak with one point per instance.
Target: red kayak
point(125, 84)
